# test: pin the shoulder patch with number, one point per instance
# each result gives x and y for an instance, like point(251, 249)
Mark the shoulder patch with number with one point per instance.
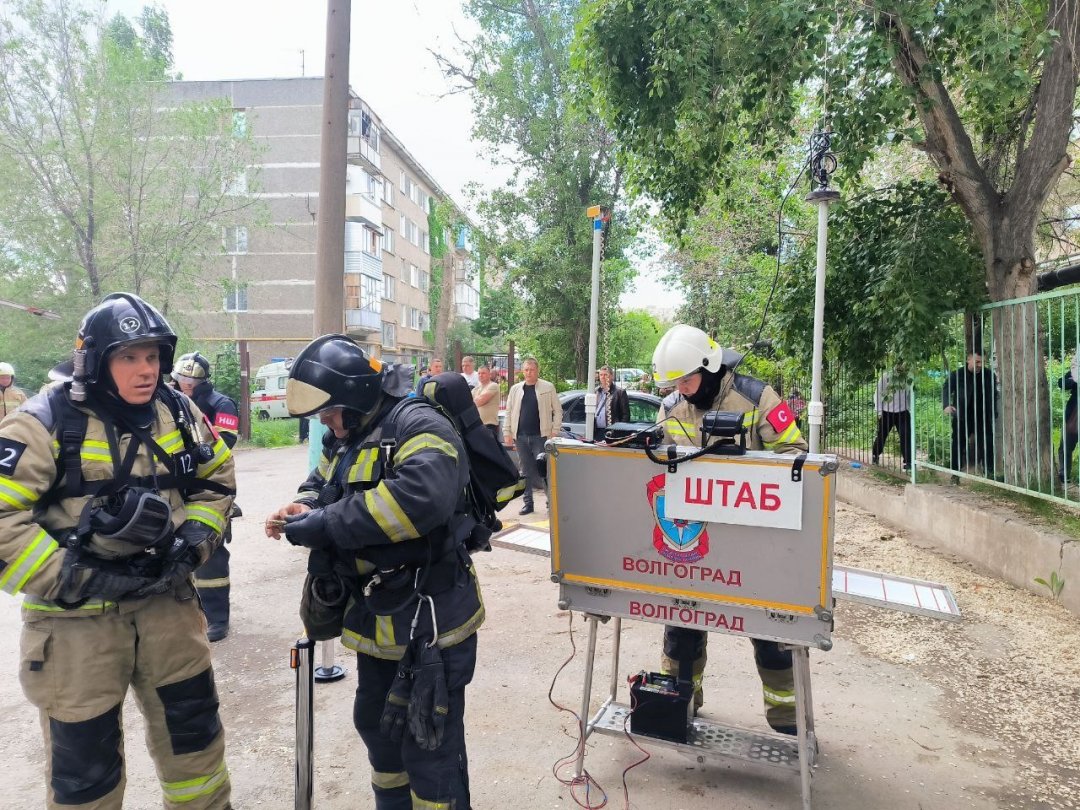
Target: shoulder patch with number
point(780, 417)
point(10, 453)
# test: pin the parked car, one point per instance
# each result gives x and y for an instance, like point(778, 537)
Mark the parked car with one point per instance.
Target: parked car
point(643, 409)
point(629, 378)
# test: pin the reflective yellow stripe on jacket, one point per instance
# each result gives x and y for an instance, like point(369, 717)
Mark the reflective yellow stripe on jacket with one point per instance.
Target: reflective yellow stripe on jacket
point(16, 494)
point(221, 454)
point(33, 557)
point(205, 515)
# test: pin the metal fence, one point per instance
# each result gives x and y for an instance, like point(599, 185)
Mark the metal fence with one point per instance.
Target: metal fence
point(999, 406)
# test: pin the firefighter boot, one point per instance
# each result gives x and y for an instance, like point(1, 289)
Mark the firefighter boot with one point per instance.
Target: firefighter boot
point(777, 685)
point(681, 643)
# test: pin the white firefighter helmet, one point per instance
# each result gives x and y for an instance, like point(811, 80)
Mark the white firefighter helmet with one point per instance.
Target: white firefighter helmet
point(683, 350)
point(192, 365)
point(7, 370)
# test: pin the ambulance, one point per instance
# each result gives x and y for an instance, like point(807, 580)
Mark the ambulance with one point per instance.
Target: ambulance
point(268, 394)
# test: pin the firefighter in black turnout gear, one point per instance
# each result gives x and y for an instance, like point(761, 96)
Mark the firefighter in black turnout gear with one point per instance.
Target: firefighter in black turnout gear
point(384, 517)
point(192, 376)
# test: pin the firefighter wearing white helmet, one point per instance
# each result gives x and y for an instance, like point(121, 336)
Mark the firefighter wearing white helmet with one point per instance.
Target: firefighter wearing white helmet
point(702, 374)
point(10, 396)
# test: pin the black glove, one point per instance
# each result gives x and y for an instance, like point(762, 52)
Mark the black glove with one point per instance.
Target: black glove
point(181, 560)
point(307, 529)
point(429, 702)
point(80, 580)
point(395, 712)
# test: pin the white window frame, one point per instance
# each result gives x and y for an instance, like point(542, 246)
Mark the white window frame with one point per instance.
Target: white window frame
point(388, 192)
point(389, 287)
point(389, 335)
point(236, 299)
point(388, 240)
point(236, 239)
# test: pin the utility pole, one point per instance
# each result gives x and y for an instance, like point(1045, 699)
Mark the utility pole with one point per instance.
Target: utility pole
point(822, 165)
point(330, 244)
point(597, 215)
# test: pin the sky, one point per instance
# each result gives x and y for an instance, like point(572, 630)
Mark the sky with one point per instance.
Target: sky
point(389, 67)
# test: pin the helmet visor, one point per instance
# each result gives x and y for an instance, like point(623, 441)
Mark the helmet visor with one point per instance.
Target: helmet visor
point(304, 399)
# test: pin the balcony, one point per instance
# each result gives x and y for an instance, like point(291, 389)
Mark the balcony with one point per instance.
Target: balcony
point(358, 261)
point(360, 151)
point(362, 322)
point(364, 208)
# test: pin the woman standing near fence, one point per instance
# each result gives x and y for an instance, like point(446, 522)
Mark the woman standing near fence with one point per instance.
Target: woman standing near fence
point(892, 402)
point(1069, 426)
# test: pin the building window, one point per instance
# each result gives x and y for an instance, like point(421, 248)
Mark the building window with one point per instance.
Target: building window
point(415, 318)
point(388, 240)
point(239, 123)
point(236, 299)
point(425, 280)
point(389, 283)
point(424, 243)
point(370, 294)
point(388, 191)
point(372, 242)
point(389, 338)
point(425, 321)
point(403, 183)
point(236, 239)
point(414, 275)
point(404, 315)
point(236, 186)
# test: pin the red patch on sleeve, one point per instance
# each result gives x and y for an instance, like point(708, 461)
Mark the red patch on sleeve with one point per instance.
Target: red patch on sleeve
point(780, 417)
point(227, 421)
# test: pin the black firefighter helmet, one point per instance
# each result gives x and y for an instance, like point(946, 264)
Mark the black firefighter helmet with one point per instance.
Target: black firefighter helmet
point(333, 371)
point(119, 320)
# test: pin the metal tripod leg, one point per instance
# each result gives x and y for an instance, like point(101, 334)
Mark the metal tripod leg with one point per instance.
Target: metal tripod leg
point(590, 660)
point(804, 722)
point(301, 659)
point(614, 691)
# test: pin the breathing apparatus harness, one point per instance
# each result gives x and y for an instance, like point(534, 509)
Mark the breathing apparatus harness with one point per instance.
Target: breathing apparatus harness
point(125, 507)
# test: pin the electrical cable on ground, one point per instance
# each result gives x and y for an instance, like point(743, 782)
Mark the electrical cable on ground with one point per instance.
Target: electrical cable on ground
point(584, 778)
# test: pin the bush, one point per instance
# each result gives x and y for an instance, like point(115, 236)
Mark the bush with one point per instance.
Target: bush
point(274, 433)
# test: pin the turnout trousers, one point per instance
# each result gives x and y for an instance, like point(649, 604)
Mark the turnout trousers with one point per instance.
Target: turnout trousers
point(77, 671)
point(773, 666)
point(212, 580)
point(403, 775)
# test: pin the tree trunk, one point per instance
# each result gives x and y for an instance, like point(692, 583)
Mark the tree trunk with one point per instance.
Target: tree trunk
point(445, 315)
point(1015, 338)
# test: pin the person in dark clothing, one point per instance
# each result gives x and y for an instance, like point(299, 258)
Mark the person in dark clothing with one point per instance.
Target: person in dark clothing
point(391, 526)
point(192, 376)
point(970, 397)
point(1069, 431)
point(612, 402)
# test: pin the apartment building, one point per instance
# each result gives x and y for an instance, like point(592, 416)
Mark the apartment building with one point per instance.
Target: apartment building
point(263, 287)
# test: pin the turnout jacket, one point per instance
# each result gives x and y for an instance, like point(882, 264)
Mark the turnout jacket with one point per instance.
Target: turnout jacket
point(770, 422)
point(220, 410)
point(10, 400)
point(388, 529)
point(36, 514)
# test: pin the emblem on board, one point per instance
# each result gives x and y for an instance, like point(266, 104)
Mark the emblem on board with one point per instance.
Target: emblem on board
point(683, 541)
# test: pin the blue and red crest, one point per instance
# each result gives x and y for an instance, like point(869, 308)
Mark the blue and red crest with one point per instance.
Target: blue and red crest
point(683, 541)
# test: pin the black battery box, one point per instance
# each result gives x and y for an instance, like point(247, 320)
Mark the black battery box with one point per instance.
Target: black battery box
point(662, 706)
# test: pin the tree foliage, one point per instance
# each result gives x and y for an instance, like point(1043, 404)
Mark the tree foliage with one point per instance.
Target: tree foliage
point(901, 263)
point(986, 88)
point(109, 183)
point(534, 110)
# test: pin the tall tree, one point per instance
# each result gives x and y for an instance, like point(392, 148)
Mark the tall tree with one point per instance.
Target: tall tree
point(535, 112)
point(986, 89)
point(110, 183)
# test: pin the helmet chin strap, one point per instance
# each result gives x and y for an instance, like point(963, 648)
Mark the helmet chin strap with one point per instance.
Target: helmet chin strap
point(355, 420)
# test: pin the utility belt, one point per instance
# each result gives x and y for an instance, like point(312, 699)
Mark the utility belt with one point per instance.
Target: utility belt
point(386, 591)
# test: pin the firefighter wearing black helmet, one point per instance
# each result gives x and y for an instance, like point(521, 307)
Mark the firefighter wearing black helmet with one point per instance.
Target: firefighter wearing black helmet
point(386, 520)
point(191, 373)
point(100, 536)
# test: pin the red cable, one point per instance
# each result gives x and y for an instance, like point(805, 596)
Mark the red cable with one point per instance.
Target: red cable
point(585, 778)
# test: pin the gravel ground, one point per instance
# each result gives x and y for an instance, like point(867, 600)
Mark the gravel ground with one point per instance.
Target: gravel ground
point(1011, 668)
point(911, 712)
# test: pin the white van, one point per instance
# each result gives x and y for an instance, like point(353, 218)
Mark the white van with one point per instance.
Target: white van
point(268, 396)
